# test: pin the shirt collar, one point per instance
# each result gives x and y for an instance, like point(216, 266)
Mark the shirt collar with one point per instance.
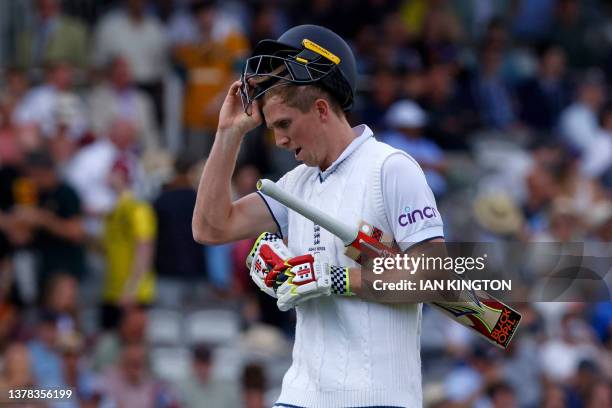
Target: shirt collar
point(362, 133)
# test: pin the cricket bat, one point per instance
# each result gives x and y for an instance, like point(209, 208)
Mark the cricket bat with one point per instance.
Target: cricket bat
point(489, 317)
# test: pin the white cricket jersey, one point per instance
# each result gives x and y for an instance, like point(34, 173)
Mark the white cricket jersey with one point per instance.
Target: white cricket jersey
point(349, 352)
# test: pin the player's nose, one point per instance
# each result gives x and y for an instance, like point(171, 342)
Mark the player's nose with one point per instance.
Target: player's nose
point(281, 140)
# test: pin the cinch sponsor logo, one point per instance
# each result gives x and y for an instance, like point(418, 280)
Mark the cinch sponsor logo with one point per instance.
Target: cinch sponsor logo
point(411, 216)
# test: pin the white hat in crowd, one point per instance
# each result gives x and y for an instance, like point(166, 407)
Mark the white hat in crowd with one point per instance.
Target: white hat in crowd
point(406, 114)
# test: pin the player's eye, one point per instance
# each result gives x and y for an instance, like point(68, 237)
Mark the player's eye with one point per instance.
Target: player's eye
point(284, 124)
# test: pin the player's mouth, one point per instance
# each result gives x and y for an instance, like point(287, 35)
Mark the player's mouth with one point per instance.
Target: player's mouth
point(297, 152)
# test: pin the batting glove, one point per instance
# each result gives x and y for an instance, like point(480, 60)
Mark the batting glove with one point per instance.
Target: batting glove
point(309, 278)
point(266, 262)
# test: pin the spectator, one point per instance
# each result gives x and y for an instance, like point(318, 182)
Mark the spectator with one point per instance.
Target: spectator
point(601, 395)
point(129, 240)
point(452, 110)
point(89, 169)
point(46, 363)
point(578, 122)
point(382, 94)
point(16, 372)
point(574, 32)
point(254, 385)
point(179, 260)
point(119, 98)
point(129, 383)
point(132, 329)
point(202, 386)
point(560, 356)
point(173, 209)
point(406, 120)
point(75, 375)
point(543, 97)
point(52, 36)
point(55, 222)
point(140, 38)
point(491, 93)
point(583, 383)
point(541, 189)
point(597, 160)
point(53, 106)
point(553, 397)
point(210, 64)
point(465, 384)
point(61, 298)
point(15, 85)
point(502, 395)
point(565, 223)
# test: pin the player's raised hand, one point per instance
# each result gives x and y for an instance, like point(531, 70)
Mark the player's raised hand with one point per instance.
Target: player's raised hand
point(233, 118)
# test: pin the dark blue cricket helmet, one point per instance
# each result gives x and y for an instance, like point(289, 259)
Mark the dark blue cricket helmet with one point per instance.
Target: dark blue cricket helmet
point(303, 55)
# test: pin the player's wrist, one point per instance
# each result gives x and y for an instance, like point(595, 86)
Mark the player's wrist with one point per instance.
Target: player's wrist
point(341, 281)
point(231, 135)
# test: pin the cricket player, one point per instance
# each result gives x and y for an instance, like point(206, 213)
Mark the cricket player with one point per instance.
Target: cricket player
point(348, 351)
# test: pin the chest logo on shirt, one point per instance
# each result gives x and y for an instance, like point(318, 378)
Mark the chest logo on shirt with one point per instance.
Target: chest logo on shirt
point(409, 216)
point(316, 240)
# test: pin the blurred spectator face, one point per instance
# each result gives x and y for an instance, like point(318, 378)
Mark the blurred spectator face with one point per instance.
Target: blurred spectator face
point(491, 60)
point(568, 10)
point(254, 385)
point(553, 63)
point(395, 29)
point(71, 347)
point(540, 186)
point(246, 180)
point(61, 75)
point(202, 364)
point(47, 8)
point(16, 83)
point(496, 36)
point(135, 8)
point(6, 109)
point(123, 134)
point(601, 396)
point(120, 73)
point(604, 232)
point(440, 81)
point(16, 367)
point(205, 17)
point(47, 332)
point(565, 222)
point(384, 92)
point(554, 397)
point(133, 325)
point(414, 85)
point(591, 95)
point(134, 363)
point(43, 177)
point(119, 178)
point(503, 397)
point(63, 294)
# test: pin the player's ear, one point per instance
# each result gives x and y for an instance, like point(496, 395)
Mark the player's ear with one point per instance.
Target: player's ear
point(322, 107)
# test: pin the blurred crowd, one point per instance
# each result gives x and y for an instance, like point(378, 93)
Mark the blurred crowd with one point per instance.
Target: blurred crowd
point(108, 111)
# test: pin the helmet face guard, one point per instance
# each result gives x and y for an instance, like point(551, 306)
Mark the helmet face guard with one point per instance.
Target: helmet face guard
point(310, 65)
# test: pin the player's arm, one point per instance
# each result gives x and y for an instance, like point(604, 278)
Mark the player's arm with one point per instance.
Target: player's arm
point(355, 281)
point(216, 219)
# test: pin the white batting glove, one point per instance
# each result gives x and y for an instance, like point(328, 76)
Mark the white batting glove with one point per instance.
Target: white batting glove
point(266, 262)
point(306, 279)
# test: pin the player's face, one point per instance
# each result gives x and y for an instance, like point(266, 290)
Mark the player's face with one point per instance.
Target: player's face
point(294, 130)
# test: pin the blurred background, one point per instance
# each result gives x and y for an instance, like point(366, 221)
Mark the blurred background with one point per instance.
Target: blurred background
point(108, 110)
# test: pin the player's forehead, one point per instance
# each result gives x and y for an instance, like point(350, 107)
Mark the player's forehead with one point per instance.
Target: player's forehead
point(275, 108)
